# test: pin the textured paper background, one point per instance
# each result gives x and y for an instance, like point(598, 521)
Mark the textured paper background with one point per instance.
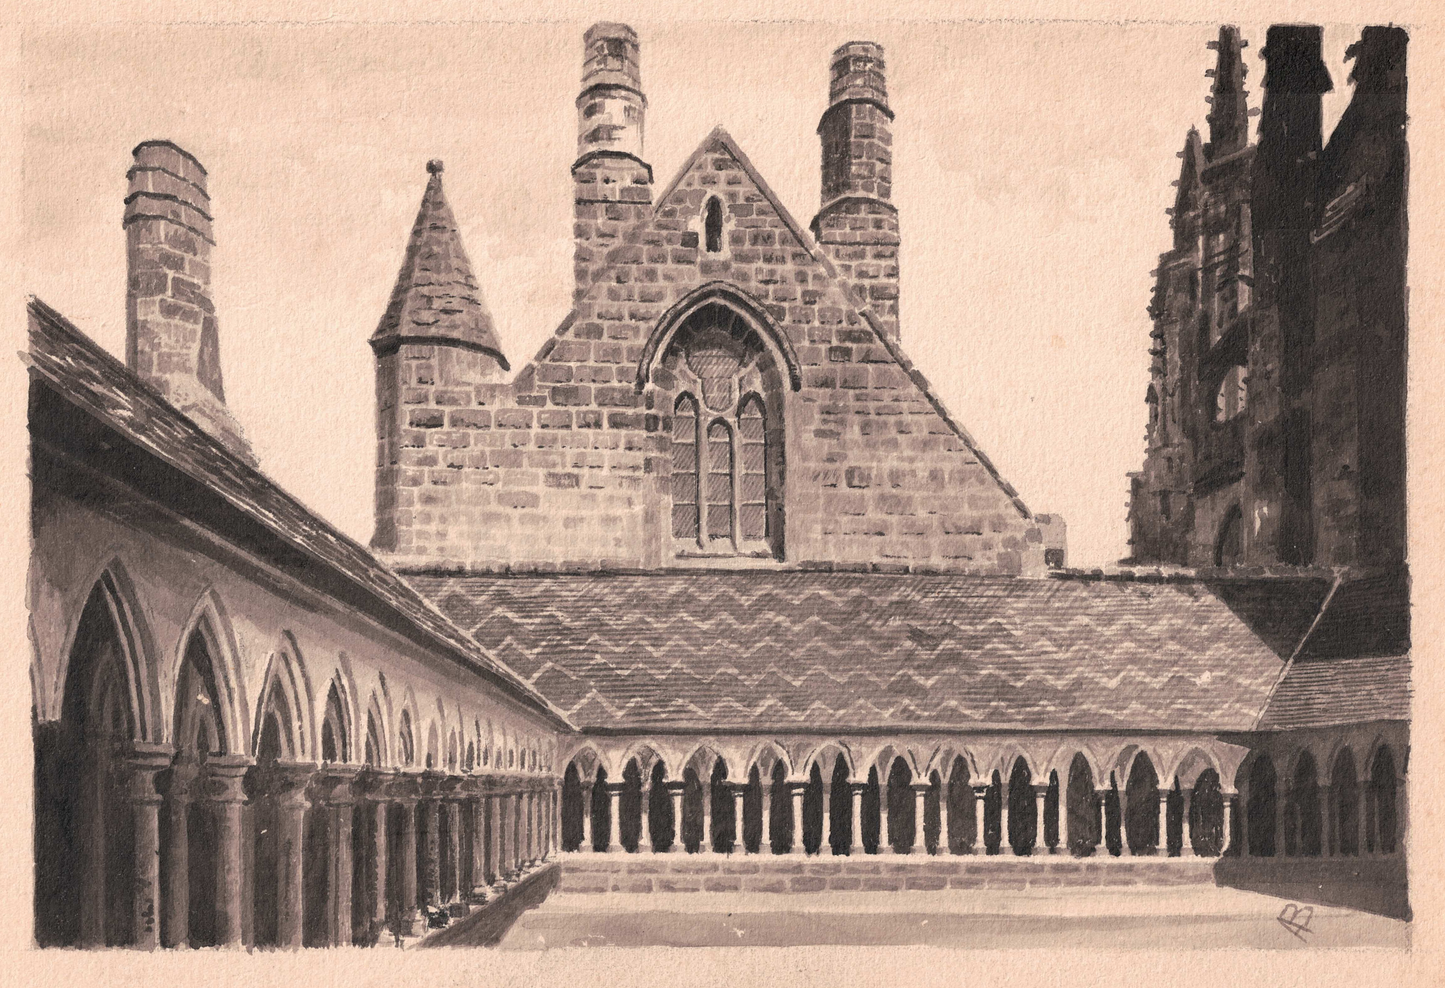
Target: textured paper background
point(37, 260)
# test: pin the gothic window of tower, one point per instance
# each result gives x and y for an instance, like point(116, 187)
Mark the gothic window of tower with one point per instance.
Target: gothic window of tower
point(725, 387)
point(1233, 394)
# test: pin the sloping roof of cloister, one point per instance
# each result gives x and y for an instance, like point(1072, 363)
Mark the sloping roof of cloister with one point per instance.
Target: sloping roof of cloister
point(166, 456)
point(790, 650)
point(1353, 666)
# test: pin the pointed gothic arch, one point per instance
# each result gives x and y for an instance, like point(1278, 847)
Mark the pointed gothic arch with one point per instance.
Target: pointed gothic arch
point(113, 590)
point(728, 295)
point(208, 624)
point(286, 696)
point(335, 739)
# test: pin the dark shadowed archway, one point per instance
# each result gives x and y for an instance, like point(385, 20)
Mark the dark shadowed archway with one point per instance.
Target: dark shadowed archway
point(1206, 815)
point(1260, 808)
point(601, 811)
point(840, 809)
point(693, 795)
point(1305, 797)
point(1384, 813)
point(961, 822)
point(901, 811)
point(993, 815)
point(1345, 802)
point(932, 813)
point(660, 824)
point(813, 811)
point(752, 823)
point(572, 808)
point(1141, 807)
point(780, 811)
point(872, 809)
point(1081, 809)
point(724, 823)
point(629, 808)
point(1023, 822)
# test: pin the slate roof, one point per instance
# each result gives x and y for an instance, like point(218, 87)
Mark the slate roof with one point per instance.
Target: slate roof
point(1353, 665)
point(90, 379)
point(1340, 691)
point(436, 296)
point(813, 650)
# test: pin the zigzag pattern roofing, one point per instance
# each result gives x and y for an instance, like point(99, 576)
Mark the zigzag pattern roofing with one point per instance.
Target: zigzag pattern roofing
point(814, 650)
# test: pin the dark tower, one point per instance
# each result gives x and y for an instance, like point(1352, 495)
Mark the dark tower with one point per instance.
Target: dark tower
point(1283, 207)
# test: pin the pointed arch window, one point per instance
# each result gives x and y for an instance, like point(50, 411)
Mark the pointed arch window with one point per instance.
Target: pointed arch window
point(1233, 395)
point(713, 225)
point(685, 469)
point(752, 480)
point(721, 479)
point(727, 458)
point(407, 742)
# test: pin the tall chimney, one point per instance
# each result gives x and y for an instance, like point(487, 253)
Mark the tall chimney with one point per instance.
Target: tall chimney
point(171, 337)
point(611, 183)
point(857, 226)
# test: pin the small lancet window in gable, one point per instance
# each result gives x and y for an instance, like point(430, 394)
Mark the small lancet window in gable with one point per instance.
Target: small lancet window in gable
point(713, 227)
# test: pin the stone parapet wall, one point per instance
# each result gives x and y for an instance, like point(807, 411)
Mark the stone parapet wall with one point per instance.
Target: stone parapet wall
point(598, 873)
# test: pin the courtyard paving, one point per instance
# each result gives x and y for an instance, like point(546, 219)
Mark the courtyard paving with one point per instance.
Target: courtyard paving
point(1187, 917)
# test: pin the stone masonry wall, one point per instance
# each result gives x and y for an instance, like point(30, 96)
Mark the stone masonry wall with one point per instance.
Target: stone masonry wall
point(569, 467)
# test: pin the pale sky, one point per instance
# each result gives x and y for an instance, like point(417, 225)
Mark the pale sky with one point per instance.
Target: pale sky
point(1032, 168)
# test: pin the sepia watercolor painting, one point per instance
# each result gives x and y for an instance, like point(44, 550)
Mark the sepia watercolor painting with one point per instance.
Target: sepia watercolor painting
point(684, 570)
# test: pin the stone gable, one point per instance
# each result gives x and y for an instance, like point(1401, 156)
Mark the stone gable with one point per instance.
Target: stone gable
point(570, 465)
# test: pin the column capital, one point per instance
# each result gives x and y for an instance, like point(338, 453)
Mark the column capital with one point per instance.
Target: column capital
point(332, 783)
point(449, 786)
point(222, 778)
point(922, 787)
point(373, 781)
point(286, 781)
point(144, 762)
point(405, 786)
point(184, 774)
point(429, 783)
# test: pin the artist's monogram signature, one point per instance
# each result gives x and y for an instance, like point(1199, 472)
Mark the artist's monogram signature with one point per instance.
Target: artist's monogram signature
point(1296, 919)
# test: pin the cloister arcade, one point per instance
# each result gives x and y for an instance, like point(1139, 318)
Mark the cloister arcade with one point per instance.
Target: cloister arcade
point(903, 795)
point(168, 816)
point(1324, 793)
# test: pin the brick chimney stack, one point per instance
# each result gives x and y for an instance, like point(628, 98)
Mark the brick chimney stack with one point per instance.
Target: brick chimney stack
point(857, 226)
point(171, 333)
point(612, 184)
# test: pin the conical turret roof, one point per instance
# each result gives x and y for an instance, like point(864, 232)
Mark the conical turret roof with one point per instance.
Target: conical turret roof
point(436, 299)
